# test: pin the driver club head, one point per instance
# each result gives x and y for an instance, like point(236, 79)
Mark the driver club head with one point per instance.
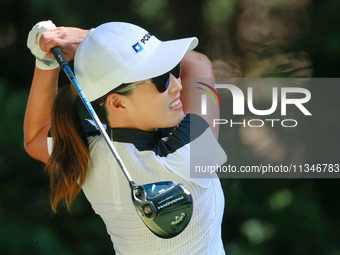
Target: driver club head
point(165, 207)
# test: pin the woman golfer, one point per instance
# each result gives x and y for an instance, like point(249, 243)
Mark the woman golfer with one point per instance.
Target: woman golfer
point(140, 85)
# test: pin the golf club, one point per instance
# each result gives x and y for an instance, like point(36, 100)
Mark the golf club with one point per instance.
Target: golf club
point(165, 207)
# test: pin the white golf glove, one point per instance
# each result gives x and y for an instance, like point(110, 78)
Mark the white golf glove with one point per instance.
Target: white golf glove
point(33, 44)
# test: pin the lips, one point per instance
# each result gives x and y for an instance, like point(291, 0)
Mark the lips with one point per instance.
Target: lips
point(175, 104)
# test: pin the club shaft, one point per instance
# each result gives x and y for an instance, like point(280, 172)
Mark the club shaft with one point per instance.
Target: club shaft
point(68, 71)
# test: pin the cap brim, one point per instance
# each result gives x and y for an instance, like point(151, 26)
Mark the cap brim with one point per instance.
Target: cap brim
point(164, 58)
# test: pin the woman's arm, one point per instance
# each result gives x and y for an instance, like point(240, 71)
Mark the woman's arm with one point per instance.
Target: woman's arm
point(44, 89)
point(37, 120)
point(197, 65)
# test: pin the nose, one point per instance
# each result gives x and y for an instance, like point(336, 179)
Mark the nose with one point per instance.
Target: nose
point(175, 84)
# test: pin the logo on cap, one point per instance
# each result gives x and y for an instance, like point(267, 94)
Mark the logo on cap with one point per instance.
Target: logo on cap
point(137, 47)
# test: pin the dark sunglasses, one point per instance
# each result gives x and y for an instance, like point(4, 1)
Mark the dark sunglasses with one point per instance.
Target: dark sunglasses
point(161, 82)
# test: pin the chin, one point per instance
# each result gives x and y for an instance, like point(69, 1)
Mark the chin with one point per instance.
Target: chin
point(173, 120)
point(178, 118)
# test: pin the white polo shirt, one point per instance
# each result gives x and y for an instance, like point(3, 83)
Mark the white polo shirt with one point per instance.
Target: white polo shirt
point(153, 157)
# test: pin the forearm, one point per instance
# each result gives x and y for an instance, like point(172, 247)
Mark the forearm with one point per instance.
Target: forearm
point(37, 120)
point(197, 65)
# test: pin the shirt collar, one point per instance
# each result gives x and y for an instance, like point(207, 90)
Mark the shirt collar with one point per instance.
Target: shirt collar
point(143, 140)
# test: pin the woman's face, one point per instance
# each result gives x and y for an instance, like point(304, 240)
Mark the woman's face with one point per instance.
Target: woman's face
point(148, 109)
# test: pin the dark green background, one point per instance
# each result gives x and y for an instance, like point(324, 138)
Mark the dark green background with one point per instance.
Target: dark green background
point(249, 38)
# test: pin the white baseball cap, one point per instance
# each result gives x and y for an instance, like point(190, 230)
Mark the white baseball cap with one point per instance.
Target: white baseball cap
point(116, 52)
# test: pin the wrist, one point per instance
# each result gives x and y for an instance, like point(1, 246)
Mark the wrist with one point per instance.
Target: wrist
point(46, 64)
point(48, 72)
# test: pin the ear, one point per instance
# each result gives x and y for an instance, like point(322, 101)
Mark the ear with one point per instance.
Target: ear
point(115, 101)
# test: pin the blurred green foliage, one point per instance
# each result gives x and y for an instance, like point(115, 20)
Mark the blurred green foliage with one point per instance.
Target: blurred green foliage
point(242, 38)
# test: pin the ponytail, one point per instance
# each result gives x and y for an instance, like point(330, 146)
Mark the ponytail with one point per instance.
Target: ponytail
point(70, 156)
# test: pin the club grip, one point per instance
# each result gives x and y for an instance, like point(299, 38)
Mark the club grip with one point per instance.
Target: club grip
point(59, 56)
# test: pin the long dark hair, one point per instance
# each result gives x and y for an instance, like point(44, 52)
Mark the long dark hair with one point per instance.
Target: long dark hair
point(70, 156)
point(68, 163)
